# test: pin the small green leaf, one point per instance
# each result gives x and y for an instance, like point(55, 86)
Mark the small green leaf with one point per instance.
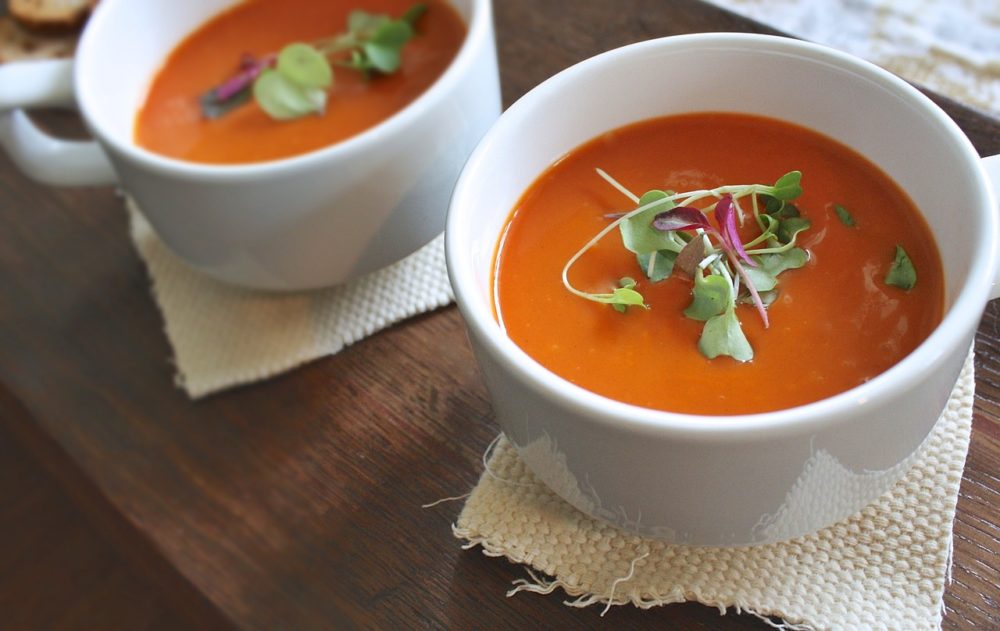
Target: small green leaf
point(626, 296)
point(790, 227)
point(788, 186)
point(414, 13)
point(304, 65)
point(284, 99)
point(663, 266)
point(638, 234)
point(712, 294)
point(625, 283)
point(385, 59)
point(772, 204)
point(902, 274)
point(779, 209)
point(392, 34)
point(623, 296)
point(777, 263)
point(845, 217)
point(767, 298)
point(362, 24)
point(378, 42)
point(761, 279)
point(722, 335)
point(358, 61)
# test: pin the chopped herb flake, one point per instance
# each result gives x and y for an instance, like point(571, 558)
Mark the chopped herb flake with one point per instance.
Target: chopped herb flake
point(845, 217)
point(901, 274)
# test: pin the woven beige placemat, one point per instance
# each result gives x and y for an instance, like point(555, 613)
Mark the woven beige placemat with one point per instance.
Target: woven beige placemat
point(882, 568)
point(223, 336)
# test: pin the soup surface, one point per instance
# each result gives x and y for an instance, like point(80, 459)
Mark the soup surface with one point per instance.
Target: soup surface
point(171, 123)
point(834, 324)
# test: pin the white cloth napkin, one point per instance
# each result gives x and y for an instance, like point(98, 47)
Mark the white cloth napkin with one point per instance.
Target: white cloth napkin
point(950, 46)
point(223, 336)
point(882, 568)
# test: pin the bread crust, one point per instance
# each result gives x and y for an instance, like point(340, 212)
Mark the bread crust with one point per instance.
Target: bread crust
point(51, 16)
point(17, 43)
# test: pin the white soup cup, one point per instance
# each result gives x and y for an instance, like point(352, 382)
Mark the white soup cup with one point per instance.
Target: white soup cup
point(753, 478)
point(313, 220)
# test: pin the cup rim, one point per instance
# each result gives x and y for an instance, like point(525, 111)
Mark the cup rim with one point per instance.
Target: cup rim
point(477, 34)
point(588, 406)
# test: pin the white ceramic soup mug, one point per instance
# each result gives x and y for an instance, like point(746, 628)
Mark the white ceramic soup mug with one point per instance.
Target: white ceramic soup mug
point(307, 221)
point(739, 479)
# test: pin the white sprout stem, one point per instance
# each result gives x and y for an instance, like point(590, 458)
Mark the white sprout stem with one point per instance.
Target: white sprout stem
point(600, 235)
point(764, 236)
point(708, 260)
point(739, 210)
point(635, 199)
point(756, 212)
point(723, 270)
point(753, 290)
point(776, 250)
point(615, 183)
point(708, 242)
point(696, 196)
point(737, 191)
point(680, 243)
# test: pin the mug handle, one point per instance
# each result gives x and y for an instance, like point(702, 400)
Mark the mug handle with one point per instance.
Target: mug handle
point(49, 160)
point(991, 166)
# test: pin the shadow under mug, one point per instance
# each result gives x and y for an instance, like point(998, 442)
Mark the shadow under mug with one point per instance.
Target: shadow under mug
point(314, 220)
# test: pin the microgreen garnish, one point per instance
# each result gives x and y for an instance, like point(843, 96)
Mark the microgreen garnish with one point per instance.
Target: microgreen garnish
point(901, 274)
point(668, 232)
point(845, 217)
point(295, 81)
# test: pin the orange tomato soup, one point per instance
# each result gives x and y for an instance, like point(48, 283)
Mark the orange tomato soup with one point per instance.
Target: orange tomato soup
point(171, 123)
point(834, 325)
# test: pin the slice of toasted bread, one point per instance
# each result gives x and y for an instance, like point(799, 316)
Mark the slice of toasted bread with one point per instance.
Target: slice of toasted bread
point(17, 43)
point(51, 16)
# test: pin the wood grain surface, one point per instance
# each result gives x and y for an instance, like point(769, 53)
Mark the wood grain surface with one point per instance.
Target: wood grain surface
point(296, 503)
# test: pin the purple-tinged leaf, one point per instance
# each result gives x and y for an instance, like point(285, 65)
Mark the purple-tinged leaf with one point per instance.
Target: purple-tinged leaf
point(247, 61)
point(236, 90)
point(725, 216)
point(213, 108)
point(690, 256)
point(681, 218)
point(250, 68)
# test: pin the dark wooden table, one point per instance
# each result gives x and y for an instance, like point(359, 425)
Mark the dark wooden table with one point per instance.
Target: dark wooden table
point(296, 503)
